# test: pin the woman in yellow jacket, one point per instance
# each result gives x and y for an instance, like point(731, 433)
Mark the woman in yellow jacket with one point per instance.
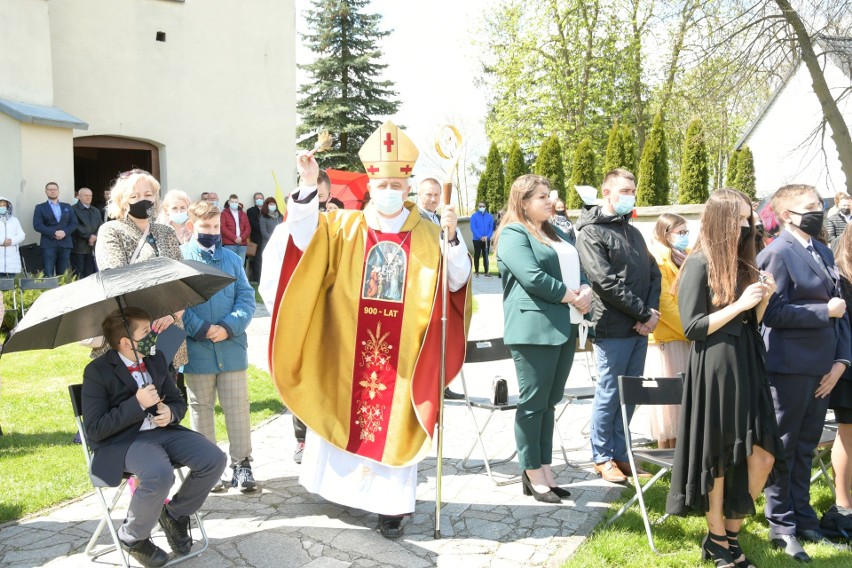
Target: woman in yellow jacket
point(668, 349)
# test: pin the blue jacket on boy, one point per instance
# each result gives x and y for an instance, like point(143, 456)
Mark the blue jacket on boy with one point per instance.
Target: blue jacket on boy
point(231, 307)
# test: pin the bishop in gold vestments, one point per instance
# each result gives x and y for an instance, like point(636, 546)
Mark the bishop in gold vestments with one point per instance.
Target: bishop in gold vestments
point(356, 333)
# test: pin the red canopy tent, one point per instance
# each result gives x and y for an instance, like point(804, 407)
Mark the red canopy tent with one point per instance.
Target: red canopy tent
point(348, 187)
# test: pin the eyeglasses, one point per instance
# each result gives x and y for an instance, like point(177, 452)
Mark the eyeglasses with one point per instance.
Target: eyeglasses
point(134, 171)
point(683, 233)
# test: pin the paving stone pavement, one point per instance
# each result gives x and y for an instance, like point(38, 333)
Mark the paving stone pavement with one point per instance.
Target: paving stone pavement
point(282, 525)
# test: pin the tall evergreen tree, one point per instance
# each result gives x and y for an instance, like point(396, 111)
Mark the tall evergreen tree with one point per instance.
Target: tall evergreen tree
point(495, 183)
point(612, 159)
point(344, 95)
point(583, 173)
point(629, 149)
point(733, 170)
point(694, 167)
point(549, 164)
point(515, 167)
point(746, 181)
point(654, 167)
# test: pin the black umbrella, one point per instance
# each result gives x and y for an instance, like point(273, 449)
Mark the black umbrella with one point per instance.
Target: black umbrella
point(159, 286)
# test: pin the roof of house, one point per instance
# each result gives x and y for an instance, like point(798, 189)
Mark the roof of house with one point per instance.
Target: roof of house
point(43, 115)
point(838, 49)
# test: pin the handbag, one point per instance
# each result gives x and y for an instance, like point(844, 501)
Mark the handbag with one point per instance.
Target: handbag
point(251, 249)
point(499, 391)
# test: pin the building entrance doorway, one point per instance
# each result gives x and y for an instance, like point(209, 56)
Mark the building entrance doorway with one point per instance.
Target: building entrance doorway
point(99, 159)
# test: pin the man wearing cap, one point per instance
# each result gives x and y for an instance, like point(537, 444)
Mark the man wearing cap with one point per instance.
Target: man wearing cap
point(356, 332)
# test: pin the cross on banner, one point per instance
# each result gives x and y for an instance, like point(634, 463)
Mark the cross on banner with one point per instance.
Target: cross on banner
point(388, 141)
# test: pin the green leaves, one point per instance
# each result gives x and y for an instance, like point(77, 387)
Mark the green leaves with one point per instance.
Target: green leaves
point(741, 172)
point(583, 173)
point(515, 168)
point(549, 164)
point(492, 181)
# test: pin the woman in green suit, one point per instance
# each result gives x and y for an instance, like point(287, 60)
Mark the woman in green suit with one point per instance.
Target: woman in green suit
point(544, 298)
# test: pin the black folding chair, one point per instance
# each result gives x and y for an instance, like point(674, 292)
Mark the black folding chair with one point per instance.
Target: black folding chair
point(634, 391)
point(485, 351)
point(823, 449)
point(8, 285)
point(25, 284)
point(76, 392)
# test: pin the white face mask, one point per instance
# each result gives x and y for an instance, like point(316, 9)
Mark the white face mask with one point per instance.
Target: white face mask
point(178, 218)
point(387, 201)
point(272, 208)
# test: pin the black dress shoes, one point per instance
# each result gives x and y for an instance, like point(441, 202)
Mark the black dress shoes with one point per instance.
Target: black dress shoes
point(146, 553)
point(177, 532)
point(390, 526)
point(450, 395)
point(791, 546)
point(818, 537)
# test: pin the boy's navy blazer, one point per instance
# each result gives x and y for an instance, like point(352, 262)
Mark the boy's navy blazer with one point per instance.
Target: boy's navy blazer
point(800, 337)
point(111, 414)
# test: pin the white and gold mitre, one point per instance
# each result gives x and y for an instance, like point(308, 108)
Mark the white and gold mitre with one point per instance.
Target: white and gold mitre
point(388, 153)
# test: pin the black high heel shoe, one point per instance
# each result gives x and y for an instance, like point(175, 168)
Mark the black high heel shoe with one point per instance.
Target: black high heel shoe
point(549, 497)
point(712, 550)
point(736, 551)
point(561, 493)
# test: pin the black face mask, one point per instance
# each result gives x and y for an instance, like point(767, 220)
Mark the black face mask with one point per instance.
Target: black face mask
point(562, 213)
point(845, 211)
point(811, 222)
point(207, 240)
point(744, 233)
point(141, 209)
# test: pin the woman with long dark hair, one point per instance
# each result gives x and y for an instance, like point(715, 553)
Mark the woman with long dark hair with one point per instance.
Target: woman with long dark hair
point(727, 437)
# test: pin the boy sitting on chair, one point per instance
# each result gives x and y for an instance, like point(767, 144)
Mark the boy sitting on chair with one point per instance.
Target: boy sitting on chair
point(132, 411)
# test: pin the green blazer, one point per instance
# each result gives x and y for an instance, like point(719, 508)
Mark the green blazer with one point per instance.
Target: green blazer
point(532, 289)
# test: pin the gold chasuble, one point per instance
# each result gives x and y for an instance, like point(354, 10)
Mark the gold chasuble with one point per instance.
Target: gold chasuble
point(355, 351)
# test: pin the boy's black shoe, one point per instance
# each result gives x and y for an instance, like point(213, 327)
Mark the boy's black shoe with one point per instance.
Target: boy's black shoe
point(146, 553)
point(177, 532)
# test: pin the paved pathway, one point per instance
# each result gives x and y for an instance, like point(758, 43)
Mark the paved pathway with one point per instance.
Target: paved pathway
point(282, 525)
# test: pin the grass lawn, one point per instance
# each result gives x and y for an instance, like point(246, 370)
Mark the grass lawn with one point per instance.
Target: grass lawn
point(40, 465)
point(624, 543)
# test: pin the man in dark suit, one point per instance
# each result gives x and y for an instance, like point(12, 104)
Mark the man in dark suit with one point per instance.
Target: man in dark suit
point(807, 340)
point(89, 221)
point(132, 411)
point(56, 223)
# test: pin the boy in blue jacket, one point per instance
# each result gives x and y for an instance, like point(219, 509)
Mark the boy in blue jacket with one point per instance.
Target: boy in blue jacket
point(218, 346)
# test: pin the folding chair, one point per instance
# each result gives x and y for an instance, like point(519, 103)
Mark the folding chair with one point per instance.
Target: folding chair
point(76, 392)
point(823, 449)
point(482, 352)
point(8, 285)
point(633, 391)
point(25, 284)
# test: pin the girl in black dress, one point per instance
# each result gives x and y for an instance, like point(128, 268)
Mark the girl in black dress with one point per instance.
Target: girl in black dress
point(841, 395)
point(727, 437)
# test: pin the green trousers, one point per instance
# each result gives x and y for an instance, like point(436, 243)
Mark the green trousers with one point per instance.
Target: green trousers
point(542, 372)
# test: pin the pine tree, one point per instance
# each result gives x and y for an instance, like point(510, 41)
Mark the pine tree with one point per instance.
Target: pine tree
point(515, 168)
point(694, 167)
point(733, 170)
point(583, 173)
point(654, 167)
point(746, 181)
point(612, 158)
point(344, 95)
point(495, 182)
point(629, 149)
point(549, 164)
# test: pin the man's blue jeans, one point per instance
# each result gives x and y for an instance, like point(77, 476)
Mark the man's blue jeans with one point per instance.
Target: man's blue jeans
point(614, 356)
point(238, 250)
point(55, 260)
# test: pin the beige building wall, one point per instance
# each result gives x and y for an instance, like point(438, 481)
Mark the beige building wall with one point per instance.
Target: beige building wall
point(217, 97)
point(26, 73)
